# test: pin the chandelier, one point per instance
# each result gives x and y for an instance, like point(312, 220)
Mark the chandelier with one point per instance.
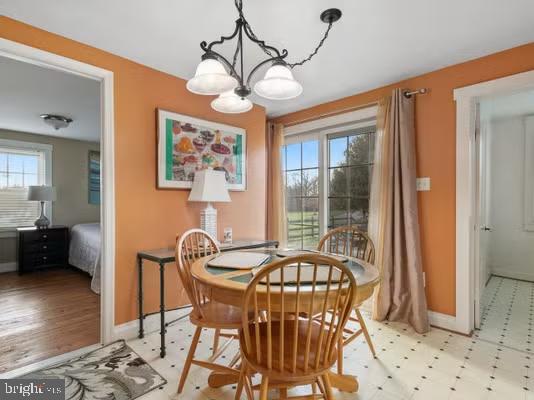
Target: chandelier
point(216, 75)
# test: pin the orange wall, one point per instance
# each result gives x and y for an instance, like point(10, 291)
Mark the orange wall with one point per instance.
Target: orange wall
point(436, 156)
point(145, 217)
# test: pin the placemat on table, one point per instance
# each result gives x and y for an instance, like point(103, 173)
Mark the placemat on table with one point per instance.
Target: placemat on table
point(239, 260)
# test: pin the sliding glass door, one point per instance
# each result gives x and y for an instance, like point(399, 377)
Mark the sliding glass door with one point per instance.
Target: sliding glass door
point(327, 182)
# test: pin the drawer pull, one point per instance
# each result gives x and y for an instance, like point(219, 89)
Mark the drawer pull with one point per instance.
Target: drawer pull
point(45, 247)
point(44, 257)
point(45, 236)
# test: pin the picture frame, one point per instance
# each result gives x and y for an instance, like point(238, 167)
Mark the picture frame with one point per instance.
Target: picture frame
point(186, 144)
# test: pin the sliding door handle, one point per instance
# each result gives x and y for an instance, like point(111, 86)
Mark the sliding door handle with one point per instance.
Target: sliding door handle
point(485, 228)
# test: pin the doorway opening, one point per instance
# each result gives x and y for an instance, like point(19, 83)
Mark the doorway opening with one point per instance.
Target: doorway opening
point(505, 273)
point(468, 225)
point(56, 280)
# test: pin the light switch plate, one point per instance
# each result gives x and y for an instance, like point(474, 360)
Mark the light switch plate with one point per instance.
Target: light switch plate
point(422, 184)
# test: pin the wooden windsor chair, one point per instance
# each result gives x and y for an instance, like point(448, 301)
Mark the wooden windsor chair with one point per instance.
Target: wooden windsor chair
point(206, 314)
point(280, 337)
point(351, 242)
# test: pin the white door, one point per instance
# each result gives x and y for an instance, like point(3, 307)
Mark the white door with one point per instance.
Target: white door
point(483, 226)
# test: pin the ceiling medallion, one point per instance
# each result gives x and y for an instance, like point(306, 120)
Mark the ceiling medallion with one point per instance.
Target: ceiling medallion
point(215, 75)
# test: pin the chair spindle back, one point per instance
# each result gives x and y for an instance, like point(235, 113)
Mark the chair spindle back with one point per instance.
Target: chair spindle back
point(348, 241)
point(288, 305)
point(192, 245)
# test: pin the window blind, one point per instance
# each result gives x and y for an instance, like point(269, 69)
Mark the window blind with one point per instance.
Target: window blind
point(15, 210)
point(19, 168)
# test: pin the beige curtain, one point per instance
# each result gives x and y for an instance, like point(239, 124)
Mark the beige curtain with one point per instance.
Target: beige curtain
point(276, 206)
point(394, 225)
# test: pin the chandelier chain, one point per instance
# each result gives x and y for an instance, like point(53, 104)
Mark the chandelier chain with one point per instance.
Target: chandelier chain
point(239, 6)
point(237, 49)
point(315, 51)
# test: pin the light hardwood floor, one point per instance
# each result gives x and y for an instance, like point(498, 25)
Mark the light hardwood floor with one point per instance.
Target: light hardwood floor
point(44, 314)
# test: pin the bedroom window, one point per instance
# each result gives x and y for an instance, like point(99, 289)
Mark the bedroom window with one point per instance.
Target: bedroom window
point(22, 164)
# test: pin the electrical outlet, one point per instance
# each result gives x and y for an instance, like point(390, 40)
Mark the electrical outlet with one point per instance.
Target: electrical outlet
point(422, 184)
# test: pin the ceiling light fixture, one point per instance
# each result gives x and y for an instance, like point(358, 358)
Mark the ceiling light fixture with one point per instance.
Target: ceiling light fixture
point(231, 103)
point(215, 75)
point(56, 121)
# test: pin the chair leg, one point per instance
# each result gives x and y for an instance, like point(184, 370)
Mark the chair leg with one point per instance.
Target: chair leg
point(340, 355)
point(241, 382)
point(190, 356)
point(327, 387)
point(320, 386)
point(365, 332)
point(216, 340)
point(283, 393)
point(264, 387)
point(248, 384)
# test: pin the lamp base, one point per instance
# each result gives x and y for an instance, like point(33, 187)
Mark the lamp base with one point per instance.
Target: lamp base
point(42, 222)
point(208, 220)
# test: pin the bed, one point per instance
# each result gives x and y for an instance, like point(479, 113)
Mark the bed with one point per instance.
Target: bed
point(84, 251)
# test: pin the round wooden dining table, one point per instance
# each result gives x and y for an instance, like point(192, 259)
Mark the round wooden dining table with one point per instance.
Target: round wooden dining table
point(227, 286)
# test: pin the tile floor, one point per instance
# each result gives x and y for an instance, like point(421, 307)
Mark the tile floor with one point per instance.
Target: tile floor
point(507, 312)
point(438, 365)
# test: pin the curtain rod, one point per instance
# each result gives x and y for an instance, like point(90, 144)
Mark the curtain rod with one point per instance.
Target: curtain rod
point(407, 94)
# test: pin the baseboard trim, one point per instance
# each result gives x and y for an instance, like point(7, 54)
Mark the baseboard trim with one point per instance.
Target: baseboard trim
point(443, 321)
point(507, 273)
point(8, 267)
point(130, 330)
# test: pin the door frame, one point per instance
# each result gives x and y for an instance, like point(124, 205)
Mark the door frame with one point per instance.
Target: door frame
point(467, 180)
point(31, 55)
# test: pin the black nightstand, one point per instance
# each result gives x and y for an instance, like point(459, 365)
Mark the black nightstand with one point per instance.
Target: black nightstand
point(42, 248)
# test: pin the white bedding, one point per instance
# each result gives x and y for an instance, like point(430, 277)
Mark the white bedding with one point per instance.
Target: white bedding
point(84, 251)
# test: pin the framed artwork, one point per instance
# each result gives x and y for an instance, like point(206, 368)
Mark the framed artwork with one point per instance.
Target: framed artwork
point(94, 177)
point(187, 145)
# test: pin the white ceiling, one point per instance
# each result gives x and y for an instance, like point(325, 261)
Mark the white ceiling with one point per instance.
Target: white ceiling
point(507, 106)
point(27, 91)
point(374, 43)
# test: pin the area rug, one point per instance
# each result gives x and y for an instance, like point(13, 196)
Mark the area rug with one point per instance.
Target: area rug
point(113, 372)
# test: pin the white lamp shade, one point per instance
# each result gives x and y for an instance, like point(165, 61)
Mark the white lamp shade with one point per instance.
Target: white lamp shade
point(278, 84)
point(211, 78)
point(209, 186)
point(41, 193)
point(231, 103)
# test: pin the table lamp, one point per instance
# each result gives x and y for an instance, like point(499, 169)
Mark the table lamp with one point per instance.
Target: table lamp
point(42, 194)
point(209, 186)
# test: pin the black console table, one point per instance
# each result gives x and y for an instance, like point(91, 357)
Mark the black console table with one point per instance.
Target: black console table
point(163, 257)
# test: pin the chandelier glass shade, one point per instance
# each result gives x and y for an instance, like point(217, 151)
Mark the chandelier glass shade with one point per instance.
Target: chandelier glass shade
point(216, 75)
point(278, 84)
point(231, 103)
point(211, 78)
